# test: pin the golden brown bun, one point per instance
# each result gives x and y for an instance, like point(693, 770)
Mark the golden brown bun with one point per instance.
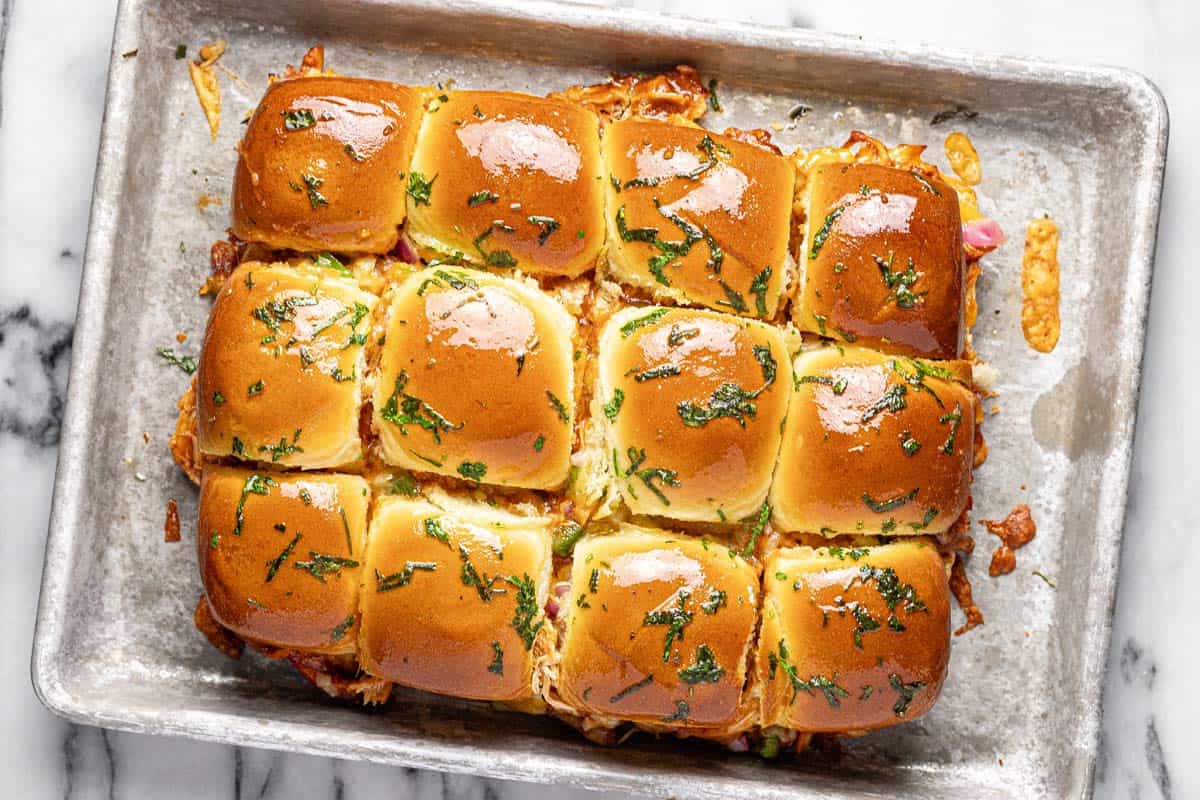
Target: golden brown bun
point(864, 220)
point(279, 555)
point(333, 180)
point(425, 620)
point(477, 370)
point(723, 464)
point(514, 181)
point(743, 202)
point(868, 450)
point(853, 639)
point(280, 373)
point(626, 590)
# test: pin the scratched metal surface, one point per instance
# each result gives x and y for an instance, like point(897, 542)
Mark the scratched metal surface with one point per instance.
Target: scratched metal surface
point(1019, 716)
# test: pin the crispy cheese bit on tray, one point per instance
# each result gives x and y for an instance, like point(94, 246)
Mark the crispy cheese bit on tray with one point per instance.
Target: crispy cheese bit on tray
point(963, 158)
point(1015, 531)
point(203, 73)
point(452, 598)
point(282, 341)
point(882, 260)
point(658, 632)
point(1040, 320)
point(322, 165)
point(853, 638)
point(677, 95)
point(698, 218)
point(505, 180)
point(693, 402)
point(280, 555)
point(476, 380)
point(874, 444)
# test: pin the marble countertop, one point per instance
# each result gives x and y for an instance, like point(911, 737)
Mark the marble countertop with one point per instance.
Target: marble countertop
point(53, 63)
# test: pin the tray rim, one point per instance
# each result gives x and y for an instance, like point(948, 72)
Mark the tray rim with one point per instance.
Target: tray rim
point(1151, 116)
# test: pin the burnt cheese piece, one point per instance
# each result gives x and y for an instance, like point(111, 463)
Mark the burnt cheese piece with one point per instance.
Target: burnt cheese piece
point(323, 162)
point(658, 632)
point(696, 217)
point(452, 598)
point(508, 180)
point(694, 402)
point(280, 555)
point(881, 262)
point(874, 444)
point(853, 638)
point(476, 380)
point(280, 374)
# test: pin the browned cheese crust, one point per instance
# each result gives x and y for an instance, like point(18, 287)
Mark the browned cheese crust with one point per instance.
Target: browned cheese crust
point(279, 555)
point(322, 163)
point(698, 217)
point(502, 179)
point(452, 600)
point(874, 444)
point(853, 638)
point(659, 631)
point(882, 261)
point(282, 342)
point(694, 402)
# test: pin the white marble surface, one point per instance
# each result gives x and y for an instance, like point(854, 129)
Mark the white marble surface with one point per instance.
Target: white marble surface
point(53, 59)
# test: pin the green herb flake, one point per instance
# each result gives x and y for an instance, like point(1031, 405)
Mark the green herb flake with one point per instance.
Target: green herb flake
point(481, 197)
point(320, 564)
point(330, 261)
point(640, 322)
point(185, 363)
point(675, 619)
point(255, 484)
point(548, 225)
point(823, 232)
point(713, 102)
point(419, 189)
point(756, 530)
point(396, 580)
point(703, 669)
point(682, 712)
point(298, 119)
point(906, 692)
point(180, 52)
point(339, 633)
point(274, 564)
point(497, 665)
point(472, 470)
point(559, 408)
point(526, 610)
point(661, 371)
point(884, 506)
point(403, 409)
point(716, 599)
point(613, 406)
point(255, 388)
point(631, 688)
point(311, 186)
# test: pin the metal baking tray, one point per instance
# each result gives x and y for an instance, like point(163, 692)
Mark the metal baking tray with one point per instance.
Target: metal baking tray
point(1020, 713)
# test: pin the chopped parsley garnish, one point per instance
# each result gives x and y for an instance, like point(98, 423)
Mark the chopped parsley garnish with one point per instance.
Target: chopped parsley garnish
point(758, 288)
point(838, 386)
point(180, 52)
point(628, 234)
point(403, 409)
point(255, 388)
point(631, 688)
point(565, 538)
point(539, 443)
point(497, 665)
point(386, 583)
point(319, 564)
point(733, 299)
point(329, 261)
point(357, 156)
point(906, 692)
point(594, 581)
point(526, 611)
point(853, 553)
point(661, 371)
point(298, 120)
point(766, 361)
point(274, 564)
point(716, 599)
point(613, 406)
point(284, 448)
point(925, 184)
point(434, 528)
point(185, 363)
point(472, 470)
point(727, 400)
point(704, 669)
point(481, 197)
point(218, 399)
point(823, 232)
point(900, 283)
point(418, 188)
point(404, 484)
point(675, 619)
point(640, 322)
point(892, 400)
point(339, 632)
point(713, 102)
point(760, 524)
point(548, 225)
point(884, 506)
point(827, 686)
point(559, 408)
point(457, 280)
point(255, 484)
point(682, 711)
point(668, 477)
point(908, 444)
point(311, 184)
point(276, 312)
point(484, 586)
point(955, 419)
point(678, 335)
point(494, 258)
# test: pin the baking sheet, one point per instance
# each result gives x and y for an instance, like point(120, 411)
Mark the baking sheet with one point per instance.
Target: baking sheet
point(1019, 716)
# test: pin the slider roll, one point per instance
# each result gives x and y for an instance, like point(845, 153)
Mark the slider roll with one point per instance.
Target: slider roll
point(280, 556)
point(875, 444)
point(506, 180)
point(452, 598)
point(322, 165)
point(698, 218)
point(881, 261)
point(853, 638)
point(283, 341)
point(658, 632)
point(476, 380)
point(694, 402)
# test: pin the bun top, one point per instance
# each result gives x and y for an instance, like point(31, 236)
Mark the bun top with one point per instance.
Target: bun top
point(722, 206)
point(455, 604)
point(476, 380)
point(502, 179)
point(875, 444)
point(320, 165)
point(853, 638)
point(280, 555)
point(694, 402)
point(283, 342)
point(659, 630)
point(882, 260)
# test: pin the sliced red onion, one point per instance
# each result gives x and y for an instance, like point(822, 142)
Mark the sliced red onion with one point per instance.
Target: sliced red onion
point(562, 588)
point(407, 251)
point(984, 233)
point(740, 745)
point(552, 609)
